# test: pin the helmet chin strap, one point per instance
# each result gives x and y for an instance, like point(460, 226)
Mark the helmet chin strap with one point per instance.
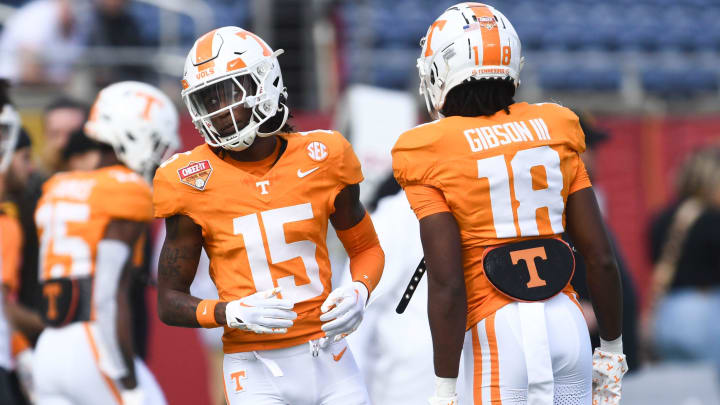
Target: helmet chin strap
point(286, 113)
point(238, 148)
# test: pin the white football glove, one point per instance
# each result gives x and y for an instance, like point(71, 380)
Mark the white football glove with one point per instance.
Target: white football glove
point(261, 312)
point(346, 305)
point(23, 367)
point(134, 396)
point(609, 367)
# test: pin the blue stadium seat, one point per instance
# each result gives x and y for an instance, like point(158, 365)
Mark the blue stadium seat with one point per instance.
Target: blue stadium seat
point(580, 79)
point(679, 82)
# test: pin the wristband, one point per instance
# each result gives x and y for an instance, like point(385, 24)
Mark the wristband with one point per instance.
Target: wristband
point(445, 387)
point(612, 346)
point(205, 313)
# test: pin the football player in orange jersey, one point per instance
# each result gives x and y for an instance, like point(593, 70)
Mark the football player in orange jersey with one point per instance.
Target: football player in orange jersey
point(12, 314)
point(88, 224)
point(494, 183)
point(258, 197)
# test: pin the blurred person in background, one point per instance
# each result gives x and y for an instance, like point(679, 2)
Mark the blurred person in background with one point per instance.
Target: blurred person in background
point(114, 26)
point(284, 323)
point(80, 153)
point(12, 314)
point(40, 43)
point(89, 222)
point(493, 183)
point(61, 118)
point(83, 154)
point(593, 138)
point(683, 318)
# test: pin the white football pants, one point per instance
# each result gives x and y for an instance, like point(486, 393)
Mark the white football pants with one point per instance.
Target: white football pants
point(294, 376)
point(528, 353)
point(65, 371)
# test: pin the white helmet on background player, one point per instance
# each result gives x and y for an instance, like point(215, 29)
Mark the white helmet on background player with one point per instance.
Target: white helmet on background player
point(231, 72)
point(139, 121)
point(469, 41)
point(9, 134)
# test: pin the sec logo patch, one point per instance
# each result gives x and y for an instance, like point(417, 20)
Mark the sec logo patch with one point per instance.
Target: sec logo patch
point(317, 151)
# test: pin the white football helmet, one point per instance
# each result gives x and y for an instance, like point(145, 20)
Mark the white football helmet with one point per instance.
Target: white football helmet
point(139, 121)
point(232, 84)
point(469, 41)
point(9, 134)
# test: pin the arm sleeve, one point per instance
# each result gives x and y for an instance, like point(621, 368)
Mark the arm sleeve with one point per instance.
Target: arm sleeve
point(581, 179)
point(426, 200)
point(367, 258)
point(112, 255)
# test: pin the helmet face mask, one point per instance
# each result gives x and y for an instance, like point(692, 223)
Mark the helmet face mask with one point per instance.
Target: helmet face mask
point(232, 85)
point(469, 41)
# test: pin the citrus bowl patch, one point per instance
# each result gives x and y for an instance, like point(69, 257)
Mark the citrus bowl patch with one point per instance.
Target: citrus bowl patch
point(196, 174)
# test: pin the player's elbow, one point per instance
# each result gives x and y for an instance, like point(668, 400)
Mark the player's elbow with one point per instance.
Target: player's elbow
point(447, 292)
point(601, 264)
point(163, 307)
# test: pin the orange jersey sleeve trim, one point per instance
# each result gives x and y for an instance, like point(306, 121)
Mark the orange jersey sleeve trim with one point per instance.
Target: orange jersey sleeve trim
point(205, 313)
point(367, 258)
point(426, 200)
point(581, 180)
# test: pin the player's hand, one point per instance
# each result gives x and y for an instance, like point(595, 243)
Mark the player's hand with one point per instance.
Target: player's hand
point(261, 312)
point(23, 367)
point(134, 396)
point(453, 400)
point(608, 371)
point(343, 310)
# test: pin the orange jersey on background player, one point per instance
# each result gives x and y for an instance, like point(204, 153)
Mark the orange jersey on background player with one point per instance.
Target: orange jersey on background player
point(11, 239)
point(504, 178)
point(264, 230)
point(76, 208)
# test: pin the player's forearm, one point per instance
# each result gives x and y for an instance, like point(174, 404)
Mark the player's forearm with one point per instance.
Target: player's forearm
point(447, 312)
point(447, 304)
point(587, 230)
point(22, 319)
point(178, 308)
point(605, 287)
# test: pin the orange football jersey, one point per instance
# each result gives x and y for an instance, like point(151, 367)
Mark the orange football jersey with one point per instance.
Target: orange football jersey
point(74, 210)
point(504, 178)
point(11, 238)
point(264, 230)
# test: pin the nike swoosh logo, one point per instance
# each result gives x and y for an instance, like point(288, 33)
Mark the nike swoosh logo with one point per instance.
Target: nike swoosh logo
point(338, 356)
point(204, 309)
point(302, 174)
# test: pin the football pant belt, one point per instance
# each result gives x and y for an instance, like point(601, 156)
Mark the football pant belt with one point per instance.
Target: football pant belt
point(66, 300)
point(530, 270)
